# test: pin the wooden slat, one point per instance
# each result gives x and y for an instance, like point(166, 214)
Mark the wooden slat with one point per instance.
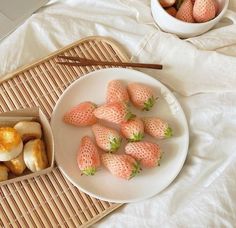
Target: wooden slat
point(51, 200)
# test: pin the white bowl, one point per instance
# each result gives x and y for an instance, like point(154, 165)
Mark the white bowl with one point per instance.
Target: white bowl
point(183, 29)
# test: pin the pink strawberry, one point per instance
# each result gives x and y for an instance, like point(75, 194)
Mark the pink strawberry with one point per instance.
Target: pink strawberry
point(121, 165)
point(167, 3)
point(157, 128)
point(149, 154)
point(107, 139)
point(172, 11)
point(185, 12)
point(179, 3)
point(116, 92)
point(116, 112)
point(204, 10)
point(81, 115)
point(142, 96)
point(133, 129)
point(88, 156)
point(216, 6)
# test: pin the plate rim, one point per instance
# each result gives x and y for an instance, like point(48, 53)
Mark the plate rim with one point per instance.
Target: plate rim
point(186, 127)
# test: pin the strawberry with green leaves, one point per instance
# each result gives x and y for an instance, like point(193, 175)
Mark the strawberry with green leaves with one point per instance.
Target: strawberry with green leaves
point(142, 96)
point(149, 154)
point(121, 165)
point(106, 138)
point(88, 158)
point(81, 115)
point(116, 92)
point(133, 129)
point(157, 128)
point(116, 112)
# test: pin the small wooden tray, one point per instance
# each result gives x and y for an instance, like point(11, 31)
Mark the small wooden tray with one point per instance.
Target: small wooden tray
point(50, 200)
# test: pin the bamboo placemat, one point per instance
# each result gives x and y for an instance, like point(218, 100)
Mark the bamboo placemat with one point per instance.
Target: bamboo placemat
point(50, 200)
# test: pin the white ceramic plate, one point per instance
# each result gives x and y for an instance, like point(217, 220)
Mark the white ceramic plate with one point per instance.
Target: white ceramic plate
point(103, 185)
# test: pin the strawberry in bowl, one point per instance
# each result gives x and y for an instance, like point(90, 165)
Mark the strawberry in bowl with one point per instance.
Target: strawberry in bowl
point(188, 18)
point(191, 11)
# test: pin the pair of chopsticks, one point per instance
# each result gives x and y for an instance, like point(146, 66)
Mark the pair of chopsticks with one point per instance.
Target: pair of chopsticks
point(78, 61)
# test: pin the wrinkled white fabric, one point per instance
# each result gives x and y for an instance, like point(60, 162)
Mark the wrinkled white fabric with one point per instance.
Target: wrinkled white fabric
point(201, 71)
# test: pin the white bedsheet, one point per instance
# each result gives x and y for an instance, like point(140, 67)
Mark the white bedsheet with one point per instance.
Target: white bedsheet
point(202, 73)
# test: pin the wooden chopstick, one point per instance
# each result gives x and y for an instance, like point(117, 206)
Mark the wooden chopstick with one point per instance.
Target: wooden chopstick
point(75, 58)
point(89, 62)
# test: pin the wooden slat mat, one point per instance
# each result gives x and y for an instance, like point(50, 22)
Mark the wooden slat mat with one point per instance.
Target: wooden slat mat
point(50, 200)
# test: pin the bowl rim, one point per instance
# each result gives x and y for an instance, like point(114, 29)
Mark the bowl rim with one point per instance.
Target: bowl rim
point(190, 23)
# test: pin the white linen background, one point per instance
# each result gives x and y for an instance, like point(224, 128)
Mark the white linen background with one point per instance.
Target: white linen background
point(202, 73)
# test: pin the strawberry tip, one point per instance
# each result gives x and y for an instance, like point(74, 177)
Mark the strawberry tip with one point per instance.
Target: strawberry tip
point(94, 105)
point(136, 169)
point(149, 103)
point(115, 144)
point(179, 3)
point(129, 116)
point(159, 160)
point(136, 137)
point(168, 132)
point(90, 171)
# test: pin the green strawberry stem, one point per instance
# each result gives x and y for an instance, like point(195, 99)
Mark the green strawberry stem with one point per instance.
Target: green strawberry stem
point(115, 144)
point(136, 137)
point(129, 116)
point(179, 3)
point(168, 132)
point(136, 169)
point(90, 171)
point(94, 105)
point(149, 104)
point(159, 160)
